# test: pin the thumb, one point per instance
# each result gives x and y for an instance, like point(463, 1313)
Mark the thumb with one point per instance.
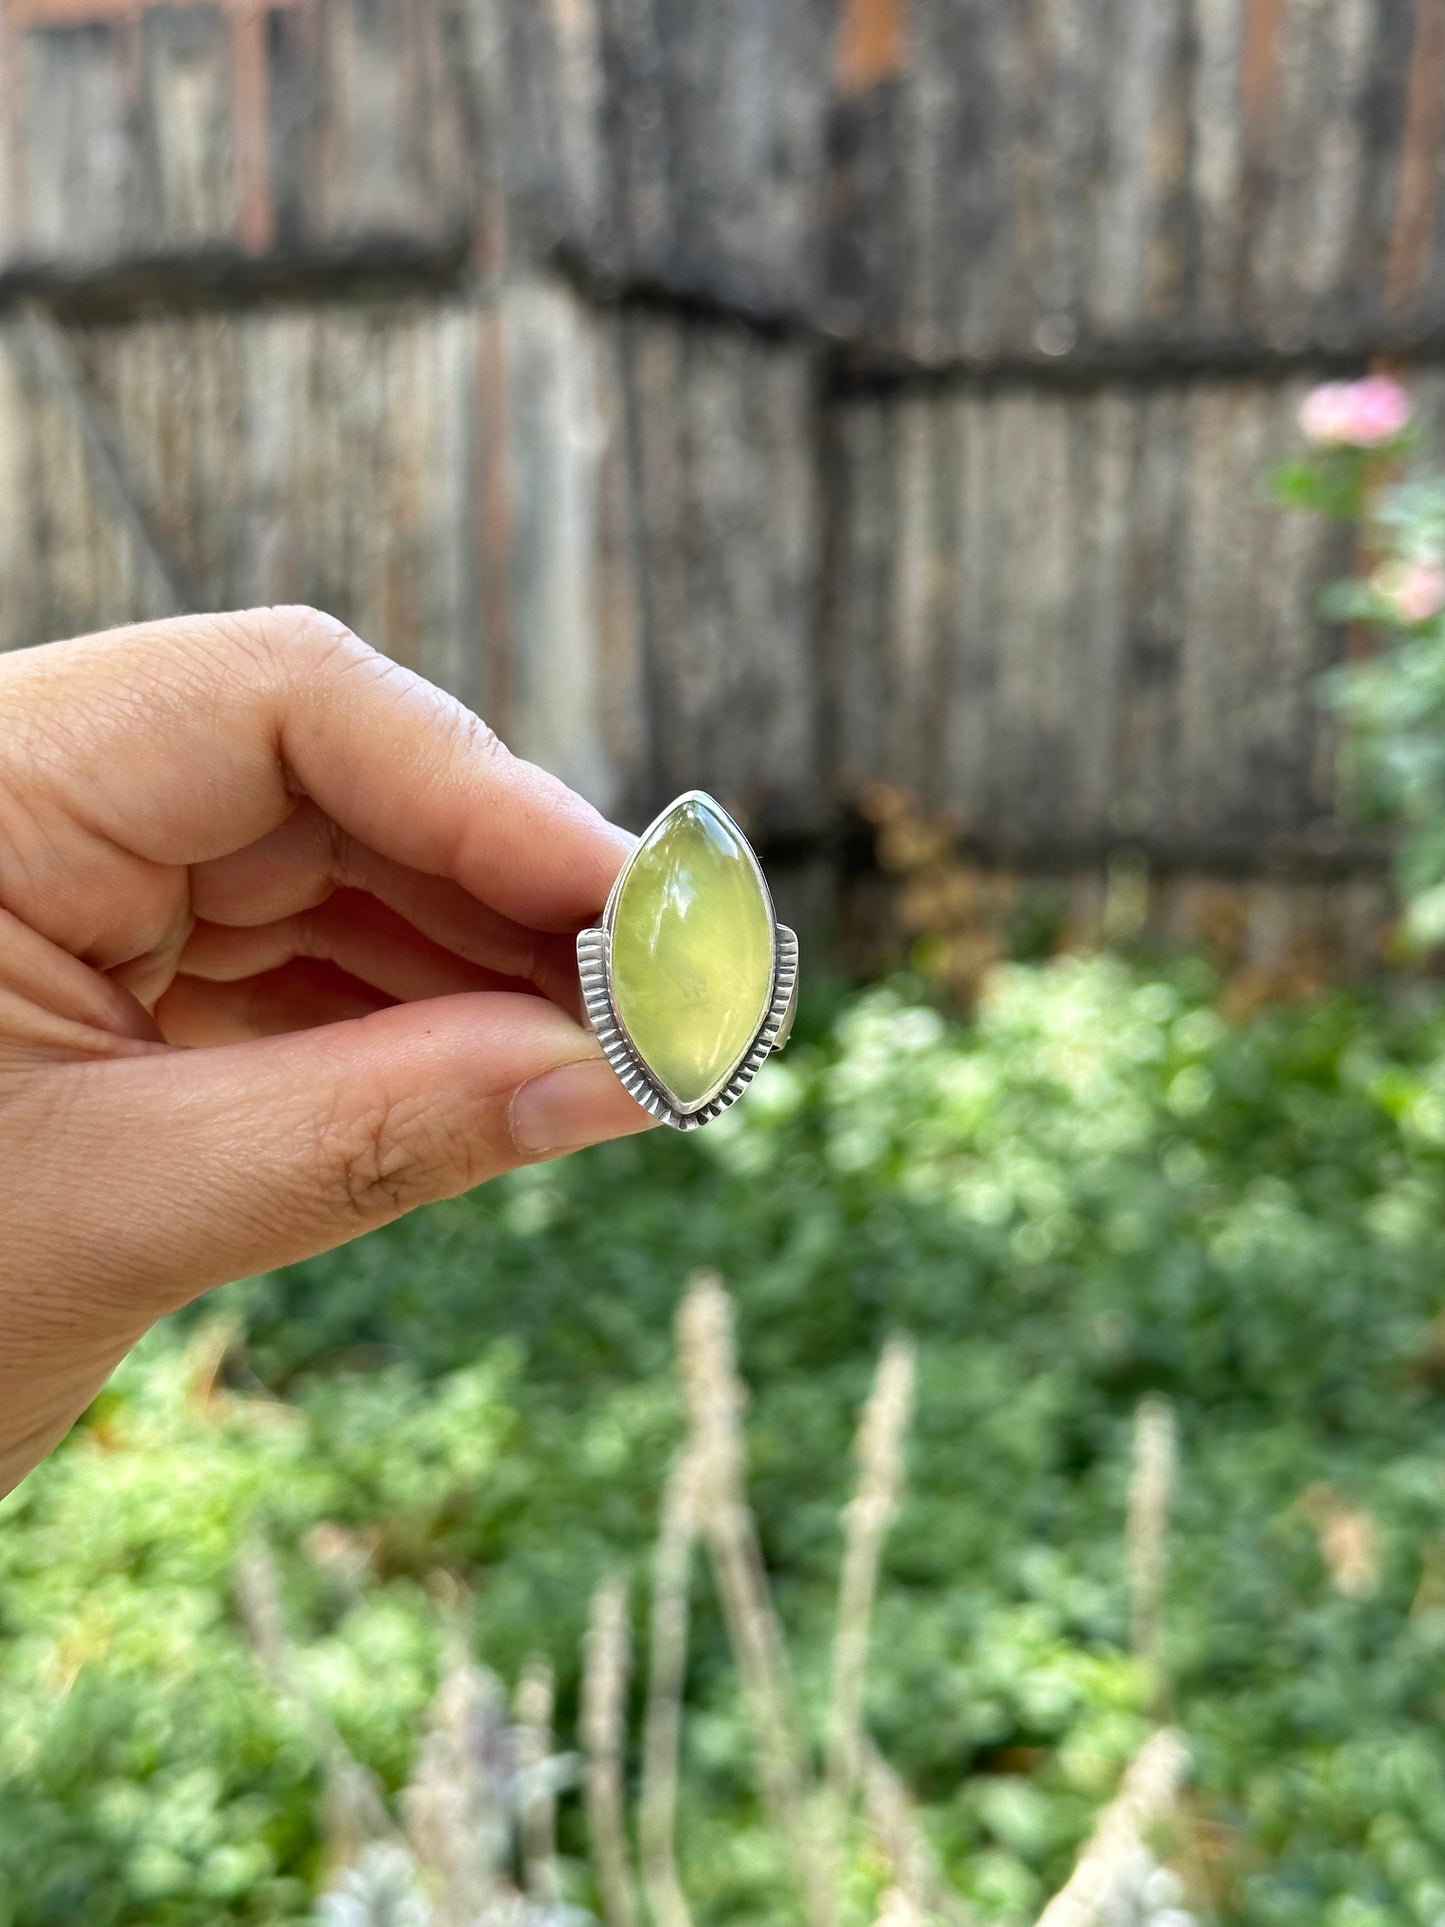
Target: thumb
point(205, 1165)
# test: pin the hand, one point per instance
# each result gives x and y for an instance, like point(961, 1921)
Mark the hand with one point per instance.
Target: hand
point(285, 949)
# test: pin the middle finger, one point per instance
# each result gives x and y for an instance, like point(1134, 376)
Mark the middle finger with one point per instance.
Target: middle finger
point(304, 860)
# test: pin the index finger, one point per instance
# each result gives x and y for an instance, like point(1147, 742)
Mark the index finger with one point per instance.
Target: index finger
point(186, 739)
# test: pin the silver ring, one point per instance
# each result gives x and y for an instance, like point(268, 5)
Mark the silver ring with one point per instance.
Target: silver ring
point(683, 979)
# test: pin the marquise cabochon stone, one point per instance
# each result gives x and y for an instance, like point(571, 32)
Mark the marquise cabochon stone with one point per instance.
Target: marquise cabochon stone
point(692, 954)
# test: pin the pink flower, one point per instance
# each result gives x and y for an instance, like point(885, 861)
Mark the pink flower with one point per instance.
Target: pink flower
point(1415, 591)
point(1355, 414)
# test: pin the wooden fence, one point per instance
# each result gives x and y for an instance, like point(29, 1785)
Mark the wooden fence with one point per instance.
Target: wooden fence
point(773, 395)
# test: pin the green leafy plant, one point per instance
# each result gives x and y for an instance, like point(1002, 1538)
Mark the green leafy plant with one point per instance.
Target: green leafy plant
point(475, 1843)
point(1362, 468)
point(1095, 1189)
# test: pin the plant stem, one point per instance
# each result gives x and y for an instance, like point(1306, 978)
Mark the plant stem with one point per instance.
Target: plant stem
point(663, 1722)
point(879, 1451)
point(604, 1736)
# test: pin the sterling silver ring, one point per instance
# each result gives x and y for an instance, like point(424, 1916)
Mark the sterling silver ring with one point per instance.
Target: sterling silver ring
point(689, 980)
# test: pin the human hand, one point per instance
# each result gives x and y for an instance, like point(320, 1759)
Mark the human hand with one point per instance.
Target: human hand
point(252, 835)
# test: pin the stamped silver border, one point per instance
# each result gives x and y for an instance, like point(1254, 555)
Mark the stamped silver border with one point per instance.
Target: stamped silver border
point(594, 964)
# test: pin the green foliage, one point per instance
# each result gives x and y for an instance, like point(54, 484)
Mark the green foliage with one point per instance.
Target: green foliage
point(1097, 1187)
point(1392, 701)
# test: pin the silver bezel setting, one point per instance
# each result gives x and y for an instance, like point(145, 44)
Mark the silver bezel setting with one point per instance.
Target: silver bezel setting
point(594, 964)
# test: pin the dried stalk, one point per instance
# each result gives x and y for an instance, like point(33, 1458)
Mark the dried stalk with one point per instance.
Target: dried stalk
point(663, 1724)
point(348, 1815)
point(715, 1399)
point(1116, 1855)
point(879, 1452)
point(380, 1889)
point(258, 1597)
point(1151, 1486)
point(901, 1843)
point(897, 1910)
point(537, 1805)
point(1349, 1540)
point(356, 1810)
point(604, 1735)
point(456, 1804)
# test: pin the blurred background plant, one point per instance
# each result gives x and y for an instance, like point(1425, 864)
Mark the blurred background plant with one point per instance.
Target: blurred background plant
point(481, 1801)
point(452, 1435)
point(1365, 466)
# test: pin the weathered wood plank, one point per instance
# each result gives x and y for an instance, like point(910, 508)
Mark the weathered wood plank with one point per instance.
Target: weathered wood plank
point(652, 545)
point(74, 164)
point(683, 146)
point(375, 121)
point(186, 152)
point(1060, 617)
point(70, 560)
point(1192, 178)
point(636, 609)
point(1200, 177)
point(1091, 590)
point(1155, 484)
point(308, 454)
point(54, 371)
point(537, 80)
point(169, 130)
point(726, 541)
point(564, 713)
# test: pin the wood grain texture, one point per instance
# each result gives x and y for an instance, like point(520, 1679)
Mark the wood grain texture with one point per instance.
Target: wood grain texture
point(946, 181)
point(69, 560)
point(815, 392)
point(1069, 619)
point(682, 146)
point(1060, 618)
point(1199, 176)
point(186, 130)
point(723, 532)
point(658, 536)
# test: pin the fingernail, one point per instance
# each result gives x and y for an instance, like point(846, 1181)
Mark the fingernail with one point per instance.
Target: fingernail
point(575, 1104)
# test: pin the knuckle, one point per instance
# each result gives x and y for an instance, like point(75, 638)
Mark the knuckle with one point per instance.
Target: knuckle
point(310, 934)
point(338, 853)
point(295, 638)
point(381, 1156)
point(478, 738)
point(298, 640)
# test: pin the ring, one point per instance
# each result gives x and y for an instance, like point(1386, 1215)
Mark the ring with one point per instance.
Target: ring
point(689, 980)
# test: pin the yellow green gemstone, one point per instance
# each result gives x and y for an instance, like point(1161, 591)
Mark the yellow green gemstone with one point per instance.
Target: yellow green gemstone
point(692, 951)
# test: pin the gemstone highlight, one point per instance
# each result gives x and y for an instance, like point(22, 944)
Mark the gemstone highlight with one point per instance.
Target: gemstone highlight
point(692, 951)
